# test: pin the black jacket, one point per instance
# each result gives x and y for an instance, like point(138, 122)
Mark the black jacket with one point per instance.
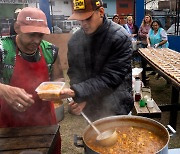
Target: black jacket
point(100, 70)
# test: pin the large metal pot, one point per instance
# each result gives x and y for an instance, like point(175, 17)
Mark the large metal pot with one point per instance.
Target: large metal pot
point(125, 120)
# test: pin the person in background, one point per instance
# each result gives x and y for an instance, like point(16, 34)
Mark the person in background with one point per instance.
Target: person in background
point(131, 28)
point(116, 19)
point(157, 36)
point(26, 61)
point(143, 30)
point(12, 31)
point(99, 57)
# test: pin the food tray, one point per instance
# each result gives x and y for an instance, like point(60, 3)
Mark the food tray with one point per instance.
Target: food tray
point(49, 90)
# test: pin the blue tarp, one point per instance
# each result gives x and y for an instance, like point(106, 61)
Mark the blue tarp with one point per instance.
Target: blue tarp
point(174, 42)
point(44, 6)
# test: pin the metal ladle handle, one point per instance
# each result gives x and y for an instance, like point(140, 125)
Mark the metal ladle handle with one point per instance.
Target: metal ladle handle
point(82, 113)
point(97, 131)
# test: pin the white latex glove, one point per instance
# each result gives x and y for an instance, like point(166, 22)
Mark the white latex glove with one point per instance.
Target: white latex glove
point(148, 46)
point(156, 45)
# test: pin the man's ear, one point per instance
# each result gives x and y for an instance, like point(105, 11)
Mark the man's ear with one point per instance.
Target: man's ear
point(101, 10)
point(17, 28)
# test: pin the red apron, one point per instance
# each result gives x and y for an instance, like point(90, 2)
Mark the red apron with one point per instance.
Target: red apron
point(28, 75)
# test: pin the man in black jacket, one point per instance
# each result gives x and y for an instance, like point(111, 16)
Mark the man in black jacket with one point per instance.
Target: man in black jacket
point(99, 57)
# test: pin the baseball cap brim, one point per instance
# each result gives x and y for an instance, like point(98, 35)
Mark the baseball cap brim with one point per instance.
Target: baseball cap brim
point(80, 16)
point(34, 29)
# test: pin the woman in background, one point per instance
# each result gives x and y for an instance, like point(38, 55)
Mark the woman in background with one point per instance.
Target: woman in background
point(157, 36)
point(143, 30)
point(131, 28)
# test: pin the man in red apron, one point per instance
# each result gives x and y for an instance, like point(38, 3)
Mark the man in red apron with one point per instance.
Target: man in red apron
point(26, 61)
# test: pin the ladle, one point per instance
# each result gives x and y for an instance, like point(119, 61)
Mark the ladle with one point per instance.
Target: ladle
point(106, 138)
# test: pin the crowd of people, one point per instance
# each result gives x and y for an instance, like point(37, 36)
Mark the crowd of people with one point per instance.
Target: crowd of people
point(99, 58)
point(150, 33)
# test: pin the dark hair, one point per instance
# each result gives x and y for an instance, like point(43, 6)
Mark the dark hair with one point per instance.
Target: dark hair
point(158, 22)
point(116, 15)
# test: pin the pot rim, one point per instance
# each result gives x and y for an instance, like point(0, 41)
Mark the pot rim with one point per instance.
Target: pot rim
point(128, 117)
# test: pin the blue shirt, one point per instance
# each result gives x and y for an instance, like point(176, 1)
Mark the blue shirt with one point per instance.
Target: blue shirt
point(158, 37)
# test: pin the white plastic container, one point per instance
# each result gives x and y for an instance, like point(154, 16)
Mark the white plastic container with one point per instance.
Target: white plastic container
point(137, 85)
point(150, 103)
point(50, 90)
point(146, 92)
point(136, 72)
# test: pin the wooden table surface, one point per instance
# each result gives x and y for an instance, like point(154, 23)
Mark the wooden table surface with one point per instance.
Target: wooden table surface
point(154, 112)
point(165, 62)
point(16, 140)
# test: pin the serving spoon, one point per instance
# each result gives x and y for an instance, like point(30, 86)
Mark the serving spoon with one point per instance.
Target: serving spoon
point(106, 138)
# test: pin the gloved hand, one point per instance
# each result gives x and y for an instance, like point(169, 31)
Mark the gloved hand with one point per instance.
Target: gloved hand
point(156, 45)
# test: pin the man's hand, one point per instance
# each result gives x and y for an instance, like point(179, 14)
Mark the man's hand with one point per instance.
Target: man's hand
point(66, 93)
point(17, 98)
point(76, 108)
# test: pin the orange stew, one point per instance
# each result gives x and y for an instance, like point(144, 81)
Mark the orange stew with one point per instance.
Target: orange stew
point(49, 91)
point(131, 140)
point(49, 87)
